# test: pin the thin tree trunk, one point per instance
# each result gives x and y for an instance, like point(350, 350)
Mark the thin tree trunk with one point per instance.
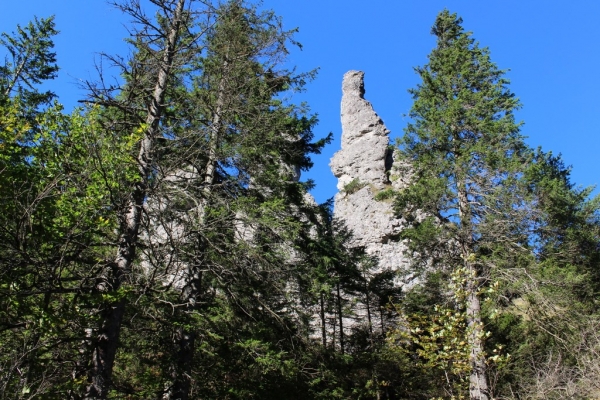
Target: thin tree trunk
point(106, 342)
point(478, 386)
point(334, 333)
point(339, 305)
point(215, 136)
point(17, 75)
point(185, 341)
point(185, 356)
point(323, 330)
point(368, 300)
point(371, 341)
point(382, 322)
point(19, 70)
point(370, 321)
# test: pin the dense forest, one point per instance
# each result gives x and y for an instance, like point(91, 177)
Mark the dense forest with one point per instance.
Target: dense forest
point(157, 243)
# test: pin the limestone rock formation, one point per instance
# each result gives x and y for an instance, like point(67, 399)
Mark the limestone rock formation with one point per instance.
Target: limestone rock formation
point(364, 168)
point(364, 137)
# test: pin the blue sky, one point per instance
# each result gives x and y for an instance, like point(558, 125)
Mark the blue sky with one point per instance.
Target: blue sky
point(552, 49)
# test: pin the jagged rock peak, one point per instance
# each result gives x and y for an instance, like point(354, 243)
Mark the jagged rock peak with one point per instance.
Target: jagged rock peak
point(362, 167)
point(354, 84)
point(364, 138)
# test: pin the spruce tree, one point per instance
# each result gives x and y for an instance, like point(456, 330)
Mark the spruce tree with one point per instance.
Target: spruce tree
point(30, 62)
point(465, 152)
point(225, 217)
point(163, 45)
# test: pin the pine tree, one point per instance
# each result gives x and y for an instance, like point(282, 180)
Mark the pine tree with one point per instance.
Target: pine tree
point(466, 153)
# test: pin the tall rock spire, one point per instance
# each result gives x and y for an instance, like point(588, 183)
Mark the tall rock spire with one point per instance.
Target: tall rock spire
point(363, 167)
point(364, 138)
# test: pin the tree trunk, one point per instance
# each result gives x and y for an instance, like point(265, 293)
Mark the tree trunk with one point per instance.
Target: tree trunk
point(369, 320)
point(323, 328)
point(334, 332)
point(215, 136)
point(339, 306)
point(381, 320)
point(182, 383)
point(478, 387)
point(106, 342)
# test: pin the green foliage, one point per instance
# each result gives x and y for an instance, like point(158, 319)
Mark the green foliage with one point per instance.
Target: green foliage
point(240, 289)
point(463, 130)
point(438, 339)
point(30, 62)
point(467, 204)
point(385, 194)
point(43, 251)
point(354, 186)
point(508, 210)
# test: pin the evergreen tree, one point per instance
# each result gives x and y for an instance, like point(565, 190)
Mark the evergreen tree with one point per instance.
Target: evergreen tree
point(30, 62)
point(244, 149)
point(466, 156)
point(223, 216)
point(162, 46)
point(546, 310)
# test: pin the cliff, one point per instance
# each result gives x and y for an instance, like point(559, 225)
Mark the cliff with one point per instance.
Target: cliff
point(366, 173)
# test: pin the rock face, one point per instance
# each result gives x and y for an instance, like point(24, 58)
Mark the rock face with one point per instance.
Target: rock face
point(364, 138)
point(364, 167)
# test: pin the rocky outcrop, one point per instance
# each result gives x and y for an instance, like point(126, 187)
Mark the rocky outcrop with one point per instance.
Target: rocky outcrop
point(366, 174)
point(364, 138)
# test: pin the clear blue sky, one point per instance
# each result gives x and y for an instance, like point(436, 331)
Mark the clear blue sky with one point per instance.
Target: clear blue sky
point(552, 49)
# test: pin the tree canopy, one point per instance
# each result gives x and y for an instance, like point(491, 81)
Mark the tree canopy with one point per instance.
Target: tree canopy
point(158, 242)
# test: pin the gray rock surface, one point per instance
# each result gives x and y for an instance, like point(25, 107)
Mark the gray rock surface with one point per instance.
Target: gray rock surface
point(366, 160)
point(364, 138)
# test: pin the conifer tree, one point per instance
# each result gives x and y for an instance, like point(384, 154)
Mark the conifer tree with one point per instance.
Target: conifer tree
point(160, 65)
point(546, 310)
point(30, 62)
point(225, 214)
point(466, 155)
